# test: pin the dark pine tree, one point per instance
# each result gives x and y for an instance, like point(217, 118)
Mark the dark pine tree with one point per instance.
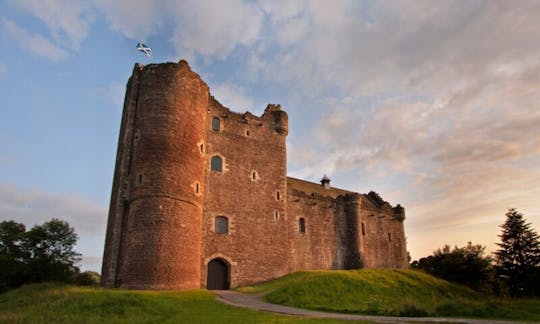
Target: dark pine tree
point(518, 259)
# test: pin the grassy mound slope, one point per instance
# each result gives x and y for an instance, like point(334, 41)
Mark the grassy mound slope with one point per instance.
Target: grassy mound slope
point(390, 292)
point(55, 303)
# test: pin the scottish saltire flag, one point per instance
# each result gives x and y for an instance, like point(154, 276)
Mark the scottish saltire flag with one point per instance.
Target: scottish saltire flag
point(143, 48)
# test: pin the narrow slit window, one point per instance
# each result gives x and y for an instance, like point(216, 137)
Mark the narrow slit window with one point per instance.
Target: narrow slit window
point(253, 175)
point(201, 148)
point(140, 179)
point(247, 133)
point(278, 195)
point(301, 225)
point(216, 164)
point(363, 229)
point(276, 215)
point(216, 124)
point(222, 225)
point(197, 188)
point(389, 237)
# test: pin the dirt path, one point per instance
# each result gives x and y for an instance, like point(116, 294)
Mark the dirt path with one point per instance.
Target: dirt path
point(255, 301)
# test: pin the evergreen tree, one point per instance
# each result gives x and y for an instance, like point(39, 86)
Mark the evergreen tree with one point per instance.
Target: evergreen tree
point(518, 259)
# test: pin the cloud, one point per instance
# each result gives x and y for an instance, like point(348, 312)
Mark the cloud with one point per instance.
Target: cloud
point(207, 28)
point(68, 20)
point(36, 44)
point(233, 97)
point(136, 19)
point(33, 207)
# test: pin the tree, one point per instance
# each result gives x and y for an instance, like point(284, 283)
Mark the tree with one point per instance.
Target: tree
point(44, 253)
point(518, 259)
point(12, 254)
point(467, 265)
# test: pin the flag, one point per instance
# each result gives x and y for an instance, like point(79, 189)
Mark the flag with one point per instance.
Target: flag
point(143, 48)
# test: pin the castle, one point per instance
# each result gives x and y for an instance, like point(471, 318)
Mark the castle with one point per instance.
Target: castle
point(201, 197)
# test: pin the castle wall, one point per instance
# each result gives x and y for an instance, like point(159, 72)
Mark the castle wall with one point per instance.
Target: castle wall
point(115, 221)
point(245, 191)
point(382, 241)
point(161, 235)
point(317, 246)
point(343, 230)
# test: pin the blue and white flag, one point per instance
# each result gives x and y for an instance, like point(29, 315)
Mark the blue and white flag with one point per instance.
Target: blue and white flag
point(143, 48)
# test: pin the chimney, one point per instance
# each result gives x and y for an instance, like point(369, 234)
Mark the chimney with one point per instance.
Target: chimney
point(325, 182)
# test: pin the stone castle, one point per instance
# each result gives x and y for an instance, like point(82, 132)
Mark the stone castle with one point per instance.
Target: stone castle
point(201, 197)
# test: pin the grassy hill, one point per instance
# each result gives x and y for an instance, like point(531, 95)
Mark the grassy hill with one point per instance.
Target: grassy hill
point(367, 291)
point(390, 292)
point(56, 303)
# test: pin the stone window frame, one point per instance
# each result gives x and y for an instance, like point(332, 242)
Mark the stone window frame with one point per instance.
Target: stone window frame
point(216, 124)
point(276, 215)
point(278, 195)
point(301, 225)
point(221, 166)
point(197, 188)
point(217, 224)
point(254, 175)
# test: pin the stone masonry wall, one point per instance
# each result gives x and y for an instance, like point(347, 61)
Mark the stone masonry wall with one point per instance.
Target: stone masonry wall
point(246, 192)
point(161, 230)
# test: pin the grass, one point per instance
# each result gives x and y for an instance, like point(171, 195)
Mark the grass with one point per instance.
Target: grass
point(391, 292)
point(57, 303)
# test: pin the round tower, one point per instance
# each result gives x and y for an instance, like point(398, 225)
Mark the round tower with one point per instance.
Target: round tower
point(161, 234)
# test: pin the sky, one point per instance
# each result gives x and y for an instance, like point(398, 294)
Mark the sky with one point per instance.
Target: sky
point(435, 105)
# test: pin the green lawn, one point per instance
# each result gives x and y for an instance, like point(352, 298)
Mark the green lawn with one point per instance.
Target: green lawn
point(55, 303)
point(391, 292)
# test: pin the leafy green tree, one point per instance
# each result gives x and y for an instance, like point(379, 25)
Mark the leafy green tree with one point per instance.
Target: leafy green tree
point(467, 265)
point(518, 259)
point(44, 253)
point(12, 254)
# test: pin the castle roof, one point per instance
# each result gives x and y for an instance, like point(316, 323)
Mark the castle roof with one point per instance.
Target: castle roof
point(311, 187)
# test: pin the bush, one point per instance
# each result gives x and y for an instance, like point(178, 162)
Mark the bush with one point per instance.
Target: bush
point(87, 278)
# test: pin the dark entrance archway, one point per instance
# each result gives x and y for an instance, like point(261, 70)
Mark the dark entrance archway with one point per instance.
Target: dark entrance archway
point(218, 275)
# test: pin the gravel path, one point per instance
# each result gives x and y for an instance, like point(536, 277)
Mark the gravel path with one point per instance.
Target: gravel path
point(255, 301)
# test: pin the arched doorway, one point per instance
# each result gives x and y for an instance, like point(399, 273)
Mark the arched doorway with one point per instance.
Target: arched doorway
point(218, 275)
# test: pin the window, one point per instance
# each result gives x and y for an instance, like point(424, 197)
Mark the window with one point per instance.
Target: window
point(215, 124)
point(363, 229)
point(201, 148)
point(253, 175)
point(247, 133)
point(389, 237)
point(140, 179)
point(215, 164)
point(197, 188)
point(276, 215)
point(301, 225)
point(222, 225)
point(278, 195)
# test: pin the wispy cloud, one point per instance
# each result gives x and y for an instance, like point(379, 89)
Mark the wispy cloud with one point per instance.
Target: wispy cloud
point(68, 20)
point(233, 97)
point(36, 44)
point(33, 207)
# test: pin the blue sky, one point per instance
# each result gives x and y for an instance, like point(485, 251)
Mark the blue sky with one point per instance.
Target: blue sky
point(435, 105)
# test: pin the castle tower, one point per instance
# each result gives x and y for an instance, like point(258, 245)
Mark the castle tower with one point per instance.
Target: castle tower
point(155, 218)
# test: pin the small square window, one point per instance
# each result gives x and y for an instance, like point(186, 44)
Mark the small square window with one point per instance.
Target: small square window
point(222, 225)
